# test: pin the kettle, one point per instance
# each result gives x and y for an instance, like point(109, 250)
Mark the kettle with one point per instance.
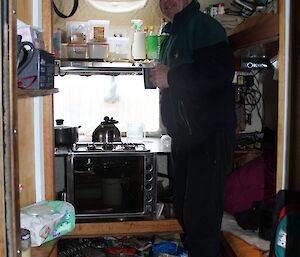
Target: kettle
point(107, 132)
point(25, 53)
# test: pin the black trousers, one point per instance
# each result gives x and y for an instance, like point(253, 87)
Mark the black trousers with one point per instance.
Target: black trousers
point(199, 176)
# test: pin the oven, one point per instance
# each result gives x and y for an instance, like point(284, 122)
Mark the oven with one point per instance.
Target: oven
point(109, 181)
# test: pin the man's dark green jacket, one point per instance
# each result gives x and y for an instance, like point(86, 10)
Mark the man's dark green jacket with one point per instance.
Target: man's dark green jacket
point(200, 97)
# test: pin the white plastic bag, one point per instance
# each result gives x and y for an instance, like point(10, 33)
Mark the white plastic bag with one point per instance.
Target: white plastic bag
point(48, 220)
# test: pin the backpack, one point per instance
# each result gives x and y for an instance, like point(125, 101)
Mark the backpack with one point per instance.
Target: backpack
point(286, 225)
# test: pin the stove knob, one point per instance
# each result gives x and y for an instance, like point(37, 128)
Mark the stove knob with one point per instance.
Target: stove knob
point(148, 208)
point(149, 176)
point(148, 187)
point(149, 166)
point(148, 198)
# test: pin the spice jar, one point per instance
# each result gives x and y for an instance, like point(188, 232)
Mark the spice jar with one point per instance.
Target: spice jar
point(25, 243)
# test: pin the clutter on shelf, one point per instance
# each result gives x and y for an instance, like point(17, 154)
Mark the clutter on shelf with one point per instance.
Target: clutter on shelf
point(131, 246)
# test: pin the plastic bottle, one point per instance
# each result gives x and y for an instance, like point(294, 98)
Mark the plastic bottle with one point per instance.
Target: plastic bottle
point(139, 41)
point(152, 44)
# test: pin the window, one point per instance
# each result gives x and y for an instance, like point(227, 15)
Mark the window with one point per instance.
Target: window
point(84, 101)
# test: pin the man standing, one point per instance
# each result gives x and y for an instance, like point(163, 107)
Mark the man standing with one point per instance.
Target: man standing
point(197, 108)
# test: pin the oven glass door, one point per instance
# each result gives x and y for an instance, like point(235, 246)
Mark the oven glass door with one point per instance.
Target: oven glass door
point(108, 184)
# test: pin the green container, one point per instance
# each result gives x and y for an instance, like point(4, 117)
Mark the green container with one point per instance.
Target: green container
point(152, 47)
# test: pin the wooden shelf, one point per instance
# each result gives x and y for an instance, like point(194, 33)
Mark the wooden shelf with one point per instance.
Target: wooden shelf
point(260, 29)
point(125, 228)
point(225, 248)
point(37, 92)
point(44, 250)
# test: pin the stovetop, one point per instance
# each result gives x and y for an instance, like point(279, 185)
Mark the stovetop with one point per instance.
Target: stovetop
point(109, 147)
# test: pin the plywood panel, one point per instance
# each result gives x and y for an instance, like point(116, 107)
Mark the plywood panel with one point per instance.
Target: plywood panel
point(258, 30)
point(48, 109)
point(45, 250)
point(15, 214)
point(2, 203)
point(49, 148)
point(24, 10)
point(281, 95)
point(26, 150)
point(125, 228)
point(25, 111)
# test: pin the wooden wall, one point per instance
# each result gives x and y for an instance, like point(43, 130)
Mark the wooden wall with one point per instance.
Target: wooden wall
point(26, 126)
point(2, 202)
point(47, 21)
point(24, 10)
point(27, 157)
point(9, 196)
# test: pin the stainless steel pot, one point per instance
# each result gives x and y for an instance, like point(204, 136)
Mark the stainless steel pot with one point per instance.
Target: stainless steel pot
point(65, 135)
point(107, 132)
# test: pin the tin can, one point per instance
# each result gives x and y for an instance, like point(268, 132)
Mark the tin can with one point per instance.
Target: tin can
point(25, 243)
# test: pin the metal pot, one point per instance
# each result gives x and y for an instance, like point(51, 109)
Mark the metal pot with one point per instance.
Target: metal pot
point(65, 135)
point(107, 132)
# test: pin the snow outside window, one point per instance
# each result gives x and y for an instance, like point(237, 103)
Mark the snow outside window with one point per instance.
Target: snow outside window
point(84, 101)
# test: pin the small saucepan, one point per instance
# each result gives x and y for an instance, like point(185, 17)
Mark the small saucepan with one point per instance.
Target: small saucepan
point(65, 135)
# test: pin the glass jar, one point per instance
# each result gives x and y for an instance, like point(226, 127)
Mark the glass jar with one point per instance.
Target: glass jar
point(25, 243)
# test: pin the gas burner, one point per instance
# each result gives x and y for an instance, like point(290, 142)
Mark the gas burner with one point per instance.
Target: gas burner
point(129, 146)
point(91, 147)
point(108, 147)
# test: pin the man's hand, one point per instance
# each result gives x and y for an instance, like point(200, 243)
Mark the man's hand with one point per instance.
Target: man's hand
point(159, 76)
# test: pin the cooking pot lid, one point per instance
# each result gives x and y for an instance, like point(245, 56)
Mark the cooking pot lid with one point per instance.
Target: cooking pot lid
point(108, 121)
point(60, 124)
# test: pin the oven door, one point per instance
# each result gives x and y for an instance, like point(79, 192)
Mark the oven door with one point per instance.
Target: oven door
point(111, 185)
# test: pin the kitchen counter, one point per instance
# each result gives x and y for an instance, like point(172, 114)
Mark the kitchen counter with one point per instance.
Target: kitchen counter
point(154, 144)
point(157, 145)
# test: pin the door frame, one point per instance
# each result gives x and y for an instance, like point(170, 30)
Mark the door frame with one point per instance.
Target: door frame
point(9, 192)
